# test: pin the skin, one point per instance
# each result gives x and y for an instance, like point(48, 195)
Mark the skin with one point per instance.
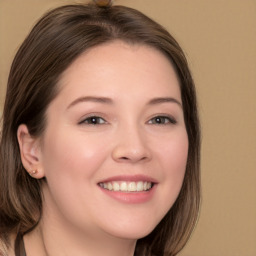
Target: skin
point(128, 139)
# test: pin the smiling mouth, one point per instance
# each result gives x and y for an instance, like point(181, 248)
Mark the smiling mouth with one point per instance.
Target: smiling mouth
point(124, 186)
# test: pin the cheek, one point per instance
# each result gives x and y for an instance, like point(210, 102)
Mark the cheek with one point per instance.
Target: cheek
point(71, 163)
point(71, 154)
point(173, 160)
point(174, 153)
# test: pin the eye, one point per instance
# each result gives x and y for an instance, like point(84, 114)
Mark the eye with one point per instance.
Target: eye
point(162, 120)
point(93, 120)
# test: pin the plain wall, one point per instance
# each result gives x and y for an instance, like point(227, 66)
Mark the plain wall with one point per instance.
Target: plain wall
point(219, 39)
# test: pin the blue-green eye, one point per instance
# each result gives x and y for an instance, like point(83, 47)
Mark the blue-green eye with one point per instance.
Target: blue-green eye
point(93, 120)
point(162, 120)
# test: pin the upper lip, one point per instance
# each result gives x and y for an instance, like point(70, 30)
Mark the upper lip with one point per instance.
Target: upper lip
point(134, 178)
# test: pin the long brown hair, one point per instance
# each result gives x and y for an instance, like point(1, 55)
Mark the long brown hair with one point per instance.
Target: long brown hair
point(54, 43)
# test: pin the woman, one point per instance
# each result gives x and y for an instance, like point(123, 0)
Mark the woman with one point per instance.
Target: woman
point(100, 140)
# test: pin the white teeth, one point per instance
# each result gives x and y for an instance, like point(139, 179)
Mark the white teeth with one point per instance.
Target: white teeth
point(109, 186)
point(127, 186)
point(123, 186)
point(140, 186)
point(115, 186)
point(132, 186)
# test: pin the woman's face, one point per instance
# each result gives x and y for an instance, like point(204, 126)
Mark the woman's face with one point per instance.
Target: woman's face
point(115, 147)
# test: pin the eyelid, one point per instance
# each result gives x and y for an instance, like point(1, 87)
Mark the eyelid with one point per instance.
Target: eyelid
point(171, 119)
point(96, 116)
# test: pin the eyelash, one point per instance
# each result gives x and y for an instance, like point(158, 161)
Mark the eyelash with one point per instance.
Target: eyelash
point(163, 120)
point(93, 120)
point(157, 120)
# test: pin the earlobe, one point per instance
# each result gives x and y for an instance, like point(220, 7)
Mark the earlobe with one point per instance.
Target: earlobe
point(30, 152)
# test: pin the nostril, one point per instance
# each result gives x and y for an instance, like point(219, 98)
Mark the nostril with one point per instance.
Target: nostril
point(125, 158)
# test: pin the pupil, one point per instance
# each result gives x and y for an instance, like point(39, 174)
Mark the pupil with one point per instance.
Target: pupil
point(158, 120)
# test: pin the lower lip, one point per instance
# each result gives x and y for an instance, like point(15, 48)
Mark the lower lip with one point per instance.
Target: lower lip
point(131, 197)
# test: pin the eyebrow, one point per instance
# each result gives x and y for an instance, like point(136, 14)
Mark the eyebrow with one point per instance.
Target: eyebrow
point(164, 100)
point(106, 100)
point(90, 99)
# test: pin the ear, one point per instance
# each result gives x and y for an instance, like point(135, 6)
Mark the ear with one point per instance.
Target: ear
point(30, 152)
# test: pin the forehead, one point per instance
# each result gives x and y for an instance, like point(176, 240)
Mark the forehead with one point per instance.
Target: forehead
point(120, 67)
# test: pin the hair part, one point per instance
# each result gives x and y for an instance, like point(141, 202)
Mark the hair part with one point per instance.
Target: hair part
point(54, 43)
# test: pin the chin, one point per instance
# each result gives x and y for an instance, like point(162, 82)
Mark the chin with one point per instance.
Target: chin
point(134, 231)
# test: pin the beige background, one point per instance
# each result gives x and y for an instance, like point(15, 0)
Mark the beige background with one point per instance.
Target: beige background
point(219, 38)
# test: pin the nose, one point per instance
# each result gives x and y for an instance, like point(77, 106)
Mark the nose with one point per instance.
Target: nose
point(131, 146)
